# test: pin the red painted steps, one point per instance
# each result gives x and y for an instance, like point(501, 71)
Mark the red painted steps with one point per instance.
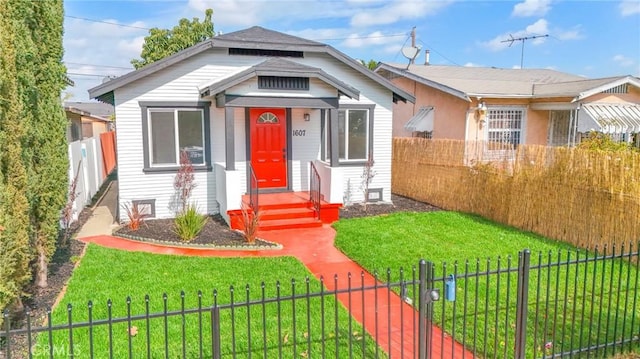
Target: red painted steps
point(288, 210)
point(287, 216)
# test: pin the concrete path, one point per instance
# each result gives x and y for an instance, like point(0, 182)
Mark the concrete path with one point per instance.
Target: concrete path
point(394, 322)
point(102, 220)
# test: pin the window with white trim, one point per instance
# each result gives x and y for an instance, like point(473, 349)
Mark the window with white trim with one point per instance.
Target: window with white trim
point(505, 126)
point(353, 135)
point(172, 131)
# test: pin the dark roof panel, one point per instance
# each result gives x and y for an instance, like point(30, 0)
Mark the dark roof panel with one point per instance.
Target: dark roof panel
point(262, 35)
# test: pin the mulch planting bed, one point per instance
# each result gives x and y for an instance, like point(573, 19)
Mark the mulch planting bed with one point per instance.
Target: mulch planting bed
point(215, 233)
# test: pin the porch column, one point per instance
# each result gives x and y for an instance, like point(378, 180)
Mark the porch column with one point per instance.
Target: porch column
point(333, 136)
point(229, 138)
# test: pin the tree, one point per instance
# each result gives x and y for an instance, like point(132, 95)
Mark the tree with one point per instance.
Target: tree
point(371, 65)
point(14, 208)
point(46, 147)
point(161, 43)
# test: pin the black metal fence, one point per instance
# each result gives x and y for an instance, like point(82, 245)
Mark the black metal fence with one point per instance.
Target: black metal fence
point(547, 305)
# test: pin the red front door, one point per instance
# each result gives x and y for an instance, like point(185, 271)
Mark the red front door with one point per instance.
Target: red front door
point(269, 146)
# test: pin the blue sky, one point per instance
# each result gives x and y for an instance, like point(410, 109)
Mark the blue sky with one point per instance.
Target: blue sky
point(588, 38)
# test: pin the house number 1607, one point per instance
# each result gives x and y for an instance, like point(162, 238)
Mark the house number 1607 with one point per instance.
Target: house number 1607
point(299, 133)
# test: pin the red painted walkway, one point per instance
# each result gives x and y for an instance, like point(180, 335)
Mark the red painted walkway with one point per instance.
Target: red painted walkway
point(314, 247)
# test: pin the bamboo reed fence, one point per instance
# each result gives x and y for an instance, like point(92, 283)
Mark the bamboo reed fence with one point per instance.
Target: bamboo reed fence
point(581, 197)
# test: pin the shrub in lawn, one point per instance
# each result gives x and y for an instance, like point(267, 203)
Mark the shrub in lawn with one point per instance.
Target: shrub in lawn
point(136, 215)
point(189, 223)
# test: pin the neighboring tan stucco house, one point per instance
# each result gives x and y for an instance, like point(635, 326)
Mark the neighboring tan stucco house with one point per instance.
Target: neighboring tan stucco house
point(512, 106)
point(87, 119)
point(254, 103)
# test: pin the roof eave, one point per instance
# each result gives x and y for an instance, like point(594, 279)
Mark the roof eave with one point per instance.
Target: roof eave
point(403, 95)
point(596, 90)
point(103, 89)
point(444, 88)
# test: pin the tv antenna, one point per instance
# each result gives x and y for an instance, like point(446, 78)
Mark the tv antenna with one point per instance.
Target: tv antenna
point(522, 39)
point(411, 52)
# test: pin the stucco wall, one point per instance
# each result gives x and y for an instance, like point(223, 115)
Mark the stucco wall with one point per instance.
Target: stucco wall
point(450, 112)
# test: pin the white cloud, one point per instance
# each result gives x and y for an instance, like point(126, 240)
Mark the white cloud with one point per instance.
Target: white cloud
point(394, 11)
point(471, 64)
point(573, 34)
point(88, 44)
point(233, 14)
point(375, 38)
point(392, 49)
point(531, 8)
point(623, 60)
point(629, 7)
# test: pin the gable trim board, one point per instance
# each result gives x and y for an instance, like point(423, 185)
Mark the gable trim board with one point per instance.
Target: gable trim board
point(424, 81)
point(104, 91)
point(279, 67)
point(625, 80)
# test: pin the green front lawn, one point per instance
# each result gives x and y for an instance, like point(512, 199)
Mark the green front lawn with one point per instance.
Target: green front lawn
point(111, 274)
point(400, 240)
point(592, 302)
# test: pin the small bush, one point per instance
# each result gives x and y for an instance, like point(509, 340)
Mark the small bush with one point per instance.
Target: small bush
point(189, 223)
point(250, 224)
point(135, 214)
point(597, 141)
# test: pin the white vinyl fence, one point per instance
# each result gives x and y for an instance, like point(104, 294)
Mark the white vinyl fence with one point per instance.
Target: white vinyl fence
point(85, 162)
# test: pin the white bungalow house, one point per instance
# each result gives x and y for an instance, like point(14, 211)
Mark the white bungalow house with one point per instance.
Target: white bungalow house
point(285, 124)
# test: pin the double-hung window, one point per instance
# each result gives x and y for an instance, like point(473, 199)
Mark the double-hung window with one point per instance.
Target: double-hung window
point(170, 131)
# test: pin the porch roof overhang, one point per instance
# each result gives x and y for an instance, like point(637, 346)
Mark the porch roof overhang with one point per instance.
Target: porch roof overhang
point(281, 68)
point(609, 118)
point(421, 121)
point(224, 100)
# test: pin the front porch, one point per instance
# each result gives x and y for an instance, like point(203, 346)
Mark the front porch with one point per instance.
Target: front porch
point(286, 210)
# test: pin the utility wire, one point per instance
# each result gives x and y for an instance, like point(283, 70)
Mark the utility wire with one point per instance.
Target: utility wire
point(96, 65)
point(362, 37)
point(79, 74)
point(107, 22)
point(439, 53)
point(146, 28)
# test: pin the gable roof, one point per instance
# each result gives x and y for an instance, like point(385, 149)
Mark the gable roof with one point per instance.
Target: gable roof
point(465, 82)
point(584, 88)
point(261, 35)
point(279, 67)
point(252, 38)
point(99, 109)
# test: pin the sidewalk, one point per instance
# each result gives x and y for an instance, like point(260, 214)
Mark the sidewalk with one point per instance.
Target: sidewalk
point(314, 247)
